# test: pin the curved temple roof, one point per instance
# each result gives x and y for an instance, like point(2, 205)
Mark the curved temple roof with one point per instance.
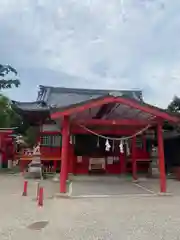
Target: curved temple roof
point(60, 98)
point(63, 97)
point(31, 106)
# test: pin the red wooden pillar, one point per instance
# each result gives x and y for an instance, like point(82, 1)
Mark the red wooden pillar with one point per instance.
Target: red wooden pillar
point(134, 163)
point(161, 158)
point(64, 154)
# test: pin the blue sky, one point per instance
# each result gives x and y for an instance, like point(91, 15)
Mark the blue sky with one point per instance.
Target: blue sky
point(117, 44)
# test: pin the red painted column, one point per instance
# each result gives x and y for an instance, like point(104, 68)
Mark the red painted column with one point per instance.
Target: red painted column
point(161, 158)
point(64, 154)
point(134, 163)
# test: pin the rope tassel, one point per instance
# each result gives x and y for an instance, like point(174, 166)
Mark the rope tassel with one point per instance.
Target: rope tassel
point(127, 149)
point(121, 147)
point(108, 146)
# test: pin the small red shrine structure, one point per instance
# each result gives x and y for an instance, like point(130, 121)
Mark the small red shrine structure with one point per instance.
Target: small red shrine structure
point(6, 147)
point(87, 130)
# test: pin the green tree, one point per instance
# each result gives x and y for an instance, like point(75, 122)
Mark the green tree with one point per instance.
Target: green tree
point(8, 117)
point(4, 71)
point(174, 106)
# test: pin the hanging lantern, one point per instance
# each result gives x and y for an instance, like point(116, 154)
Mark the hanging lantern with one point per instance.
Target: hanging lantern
point(108, 146)
point(121, 147)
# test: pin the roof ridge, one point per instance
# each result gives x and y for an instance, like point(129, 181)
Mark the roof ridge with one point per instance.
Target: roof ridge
point(90, 89)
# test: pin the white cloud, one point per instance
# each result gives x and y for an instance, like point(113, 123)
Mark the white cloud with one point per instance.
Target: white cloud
point(108, 46)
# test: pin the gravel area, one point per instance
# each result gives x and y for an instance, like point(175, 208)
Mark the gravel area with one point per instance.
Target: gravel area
point(142, 218)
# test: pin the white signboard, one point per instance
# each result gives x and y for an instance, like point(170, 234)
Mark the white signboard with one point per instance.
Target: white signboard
point(99, 162)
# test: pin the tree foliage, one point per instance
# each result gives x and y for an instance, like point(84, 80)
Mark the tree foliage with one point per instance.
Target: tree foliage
point(174, 106)
point(8, 117)
point(4, 71)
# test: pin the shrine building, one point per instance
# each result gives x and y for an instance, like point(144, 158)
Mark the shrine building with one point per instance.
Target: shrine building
point(87, 131)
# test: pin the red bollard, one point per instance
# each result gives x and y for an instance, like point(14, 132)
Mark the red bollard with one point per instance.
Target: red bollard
point(25, 188)
point(40, 199)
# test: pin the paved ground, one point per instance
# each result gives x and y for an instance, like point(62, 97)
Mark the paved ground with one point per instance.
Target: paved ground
point(122, 188)
point(138, 217)
point(83, 186)
point(101, 186)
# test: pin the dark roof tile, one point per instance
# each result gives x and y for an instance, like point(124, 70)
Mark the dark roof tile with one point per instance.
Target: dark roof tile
point(63, 97)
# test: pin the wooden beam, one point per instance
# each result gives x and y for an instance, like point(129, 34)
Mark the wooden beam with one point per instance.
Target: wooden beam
point(110, 99)
point(79, 130)
point(105, 122)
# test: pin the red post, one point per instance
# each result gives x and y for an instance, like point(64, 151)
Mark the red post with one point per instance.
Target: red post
point(64, 154)
point(134, 163)
point(25, 188)
point(40, 199)
point(161, 159)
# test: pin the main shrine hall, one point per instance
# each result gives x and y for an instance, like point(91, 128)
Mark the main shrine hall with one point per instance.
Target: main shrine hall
point(89, 131)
